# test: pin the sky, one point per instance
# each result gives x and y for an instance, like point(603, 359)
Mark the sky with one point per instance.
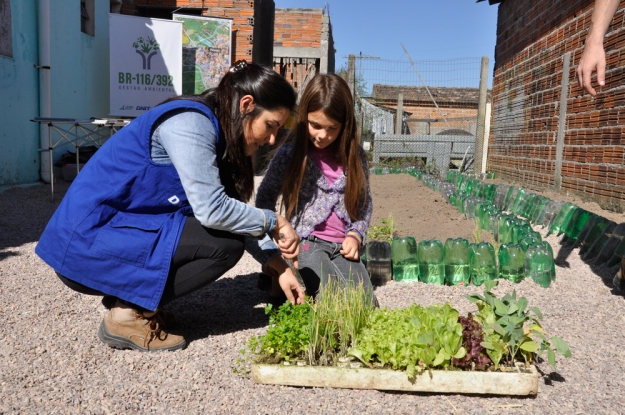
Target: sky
point(429, 30)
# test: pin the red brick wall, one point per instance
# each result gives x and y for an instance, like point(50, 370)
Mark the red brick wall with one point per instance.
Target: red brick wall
point(240, 11)
point(298, 28)
point(532, 37)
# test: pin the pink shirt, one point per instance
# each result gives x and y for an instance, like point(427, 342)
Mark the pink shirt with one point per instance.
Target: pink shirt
point(333, 229)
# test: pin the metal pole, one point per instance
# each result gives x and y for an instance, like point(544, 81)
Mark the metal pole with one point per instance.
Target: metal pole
point(480, 167)
point(562, 120)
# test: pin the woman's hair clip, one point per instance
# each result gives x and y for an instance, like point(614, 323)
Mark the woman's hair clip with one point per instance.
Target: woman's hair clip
point(238, 66)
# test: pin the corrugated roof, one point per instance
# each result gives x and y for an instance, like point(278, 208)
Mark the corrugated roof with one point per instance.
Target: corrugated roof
point(420, 94)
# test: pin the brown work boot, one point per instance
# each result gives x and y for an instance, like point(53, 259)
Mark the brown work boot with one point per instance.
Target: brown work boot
point(619, 278)
point(126, 328)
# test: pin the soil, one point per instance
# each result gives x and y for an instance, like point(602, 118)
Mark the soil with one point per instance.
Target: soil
point(414, 213)
point(52, 361)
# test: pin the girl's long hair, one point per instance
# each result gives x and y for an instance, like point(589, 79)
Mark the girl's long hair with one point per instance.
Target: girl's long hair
point(270, 92)
point(330, 94)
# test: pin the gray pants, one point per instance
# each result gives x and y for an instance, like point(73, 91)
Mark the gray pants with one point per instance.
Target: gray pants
point(320, 260)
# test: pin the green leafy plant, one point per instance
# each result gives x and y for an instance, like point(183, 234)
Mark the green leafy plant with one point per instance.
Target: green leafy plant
point(385, 231)
point(412, 339)
point(287, 336)
point(512, 330)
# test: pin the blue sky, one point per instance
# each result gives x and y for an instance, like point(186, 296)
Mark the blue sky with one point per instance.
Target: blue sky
point(430, 30)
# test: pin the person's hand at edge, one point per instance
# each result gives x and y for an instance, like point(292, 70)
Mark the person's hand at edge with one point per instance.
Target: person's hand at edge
point(287, 280)
point(287, 239)
point(350, 248)
point(593, 57)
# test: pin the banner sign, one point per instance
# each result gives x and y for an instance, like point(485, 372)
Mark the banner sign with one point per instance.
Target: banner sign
point(146, 63)
point(206, 51)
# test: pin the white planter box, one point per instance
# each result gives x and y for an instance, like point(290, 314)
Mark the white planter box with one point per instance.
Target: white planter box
point(524, 382)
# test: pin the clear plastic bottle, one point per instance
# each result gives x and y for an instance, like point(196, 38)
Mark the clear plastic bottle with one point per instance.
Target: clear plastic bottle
point(379, 262)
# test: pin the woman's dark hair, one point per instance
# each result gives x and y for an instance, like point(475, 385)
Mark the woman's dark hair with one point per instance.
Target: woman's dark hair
point(328, 93)
point(270, 92)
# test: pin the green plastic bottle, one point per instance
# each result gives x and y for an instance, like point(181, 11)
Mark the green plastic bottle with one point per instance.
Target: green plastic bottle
point(576, 223)
point(511, 262)
point(430, 254)
point(405, 264)
point(483, 263)
point(562, 217)
point(456, 257)
point(539, 265)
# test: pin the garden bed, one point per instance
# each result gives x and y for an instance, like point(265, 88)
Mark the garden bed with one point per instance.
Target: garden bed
point(523, 382)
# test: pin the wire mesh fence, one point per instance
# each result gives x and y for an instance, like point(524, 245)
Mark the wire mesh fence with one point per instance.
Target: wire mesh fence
point(417, 114)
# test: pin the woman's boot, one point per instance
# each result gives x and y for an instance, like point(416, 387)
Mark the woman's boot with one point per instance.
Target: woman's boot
point(126, 328)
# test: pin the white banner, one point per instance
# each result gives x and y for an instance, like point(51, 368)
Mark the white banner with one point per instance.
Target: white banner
point(146, 63)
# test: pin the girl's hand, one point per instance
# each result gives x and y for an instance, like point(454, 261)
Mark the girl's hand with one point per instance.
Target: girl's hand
point(287, 240)
point(287, 281)
point(350, 248)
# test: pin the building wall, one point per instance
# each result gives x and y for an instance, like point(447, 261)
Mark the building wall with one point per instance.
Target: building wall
point(19, 138)
point(532, 38)
point(299, 28)
point(303, 45)
point(78, 65)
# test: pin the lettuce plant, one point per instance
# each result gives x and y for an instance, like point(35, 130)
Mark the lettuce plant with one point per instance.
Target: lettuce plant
point(412, 339)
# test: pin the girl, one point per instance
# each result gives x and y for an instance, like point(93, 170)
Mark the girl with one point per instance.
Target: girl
point(321, 173)
point(160, 209)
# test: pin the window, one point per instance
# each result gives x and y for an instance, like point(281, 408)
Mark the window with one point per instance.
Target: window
point(6, 30)
point(87, 17)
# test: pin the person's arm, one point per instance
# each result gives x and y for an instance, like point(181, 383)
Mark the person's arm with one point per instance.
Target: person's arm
point(593, 57)
point(263, 249)
point(189, 140)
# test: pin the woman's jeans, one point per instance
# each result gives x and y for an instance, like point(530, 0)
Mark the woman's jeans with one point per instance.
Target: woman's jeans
point(202, 256)
point(320, 261)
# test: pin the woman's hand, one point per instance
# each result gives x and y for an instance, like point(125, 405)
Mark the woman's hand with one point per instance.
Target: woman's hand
point(287, 281)
point(287, 240)
point(350, 248)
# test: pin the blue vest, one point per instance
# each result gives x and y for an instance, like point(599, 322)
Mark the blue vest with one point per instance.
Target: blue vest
point(118, 226)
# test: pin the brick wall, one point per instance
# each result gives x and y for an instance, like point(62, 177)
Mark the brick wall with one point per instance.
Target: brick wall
point(532, 37)
point(298, 28)
point(240, 11)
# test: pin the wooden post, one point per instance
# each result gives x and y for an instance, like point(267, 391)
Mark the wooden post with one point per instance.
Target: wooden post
point(399, 117)
point(481, 118)
point(351, 74)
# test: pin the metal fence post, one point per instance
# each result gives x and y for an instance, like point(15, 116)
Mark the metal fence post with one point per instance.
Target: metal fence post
point(562, 121)
point(481, 118)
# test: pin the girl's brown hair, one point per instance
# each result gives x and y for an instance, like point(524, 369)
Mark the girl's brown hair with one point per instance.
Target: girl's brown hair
point(330, 94)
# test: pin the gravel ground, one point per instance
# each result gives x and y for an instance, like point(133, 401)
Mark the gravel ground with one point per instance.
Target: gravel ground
point(52, 362)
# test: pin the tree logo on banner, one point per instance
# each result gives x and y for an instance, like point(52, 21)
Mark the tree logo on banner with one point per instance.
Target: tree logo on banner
point(147, 49)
